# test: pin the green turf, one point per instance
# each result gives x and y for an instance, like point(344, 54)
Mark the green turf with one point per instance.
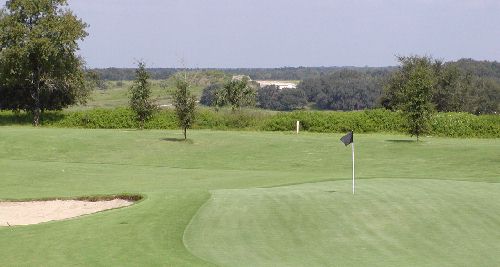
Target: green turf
point(178, 178)
point(390, 222)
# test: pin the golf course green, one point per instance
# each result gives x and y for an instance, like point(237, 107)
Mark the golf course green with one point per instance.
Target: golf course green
point(236, 198)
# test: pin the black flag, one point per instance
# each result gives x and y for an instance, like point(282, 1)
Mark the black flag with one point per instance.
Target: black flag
point(348, 138)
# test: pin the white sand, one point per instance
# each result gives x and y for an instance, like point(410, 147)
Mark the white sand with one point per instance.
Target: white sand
point(33, 212)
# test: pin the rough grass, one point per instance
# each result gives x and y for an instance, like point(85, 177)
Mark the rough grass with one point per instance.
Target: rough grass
point(177, 179)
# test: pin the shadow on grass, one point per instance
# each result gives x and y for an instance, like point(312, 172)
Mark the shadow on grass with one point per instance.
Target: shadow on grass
point(401, 141)
point(169, 139)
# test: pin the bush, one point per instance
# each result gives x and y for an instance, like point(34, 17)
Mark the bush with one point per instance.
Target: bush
point(98, 119)
point(465, 125)
point(337, 121)
point(368, 121)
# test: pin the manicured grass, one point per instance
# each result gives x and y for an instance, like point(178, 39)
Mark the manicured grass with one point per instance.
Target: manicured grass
point(446, 190)
point(390, 222)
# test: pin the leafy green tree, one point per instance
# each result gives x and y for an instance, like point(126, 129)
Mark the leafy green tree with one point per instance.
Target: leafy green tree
point(344, 90)
point(39, 67)
point(271, 97)
point(209, 94)
point(140, 95)
point(412, 86)
point(267, 97)
point(487, 96)
point(462, 86)
point(291, 99)
point(94, 80)
point(185, 105)
point(236, 93)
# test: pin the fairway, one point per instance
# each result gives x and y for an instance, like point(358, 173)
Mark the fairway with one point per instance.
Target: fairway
point(254, 198)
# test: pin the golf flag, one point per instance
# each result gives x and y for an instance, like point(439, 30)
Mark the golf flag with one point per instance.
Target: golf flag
point(348, 138)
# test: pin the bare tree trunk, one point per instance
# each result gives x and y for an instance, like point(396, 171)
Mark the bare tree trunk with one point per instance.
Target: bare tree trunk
point(36, 98)
point(185, 134)
point(36, 117)
point(36, 109)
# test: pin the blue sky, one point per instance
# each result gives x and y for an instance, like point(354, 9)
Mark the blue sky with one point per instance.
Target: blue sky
point(276, 33)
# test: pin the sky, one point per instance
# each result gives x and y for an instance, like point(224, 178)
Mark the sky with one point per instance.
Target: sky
point(278, 33)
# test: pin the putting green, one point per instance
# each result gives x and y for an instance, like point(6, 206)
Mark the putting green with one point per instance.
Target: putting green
point(398, 222)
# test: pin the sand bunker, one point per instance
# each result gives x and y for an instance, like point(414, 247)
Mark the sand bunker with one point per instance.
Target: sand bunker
point(33, 212)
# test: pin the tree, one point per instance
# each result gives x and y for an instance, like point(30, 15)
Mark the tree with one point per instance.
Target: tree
point(462, 86)
point(140, 95)
point(209, 94)
point(344, 89)
point(291, 99)
point(267, 97)
point(185, 105)
point(39, 67)
point(412, 86)
point(236, 93)
point(94, 80)
point(271, 97)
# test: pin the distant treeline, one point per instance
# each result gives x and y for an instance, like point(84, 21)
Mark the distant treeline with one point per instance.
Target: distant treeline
point(285, 73)
point(461, 86)
point(464, 85)
point(128, 74)
point(489, 69)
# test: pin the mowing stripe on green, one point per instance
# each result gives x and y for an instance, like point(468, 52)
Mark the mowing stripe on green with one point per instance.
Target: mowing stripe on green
point(397, 222)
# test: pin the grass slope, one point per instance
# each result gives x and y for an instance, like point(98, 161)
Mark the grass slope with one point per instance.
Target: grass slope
point(118, 96)
point(177, 178)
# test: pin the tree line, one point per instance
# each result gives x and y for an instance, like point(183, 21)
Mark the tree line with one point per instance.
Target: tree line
point(461, 86)
point(465, 85)
point(489, 69)
point(40, 70)
point(285, 73)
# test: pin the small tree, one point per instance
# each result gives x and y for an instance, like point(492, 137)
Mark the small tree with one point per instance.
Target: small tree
point(236, 93)
point(185, 104)
point(412, 89)
point(140, 95)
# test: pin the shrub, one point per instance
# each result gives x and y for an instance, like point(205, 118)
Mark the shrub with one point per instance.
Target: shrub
point(368, 121)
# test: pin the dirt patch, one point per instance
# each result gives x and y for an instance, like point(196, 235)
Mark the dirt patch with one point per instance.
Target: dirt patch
point(33, 212)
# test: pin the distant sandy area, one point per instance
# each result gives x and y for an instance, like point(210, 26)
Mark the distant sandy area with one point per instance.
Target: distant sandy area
point(33, 212)
point(280, 84)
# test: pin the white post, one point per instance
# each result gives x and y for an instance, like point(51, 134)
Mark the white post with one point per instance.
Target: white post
point(298, 126)
point(353, 186)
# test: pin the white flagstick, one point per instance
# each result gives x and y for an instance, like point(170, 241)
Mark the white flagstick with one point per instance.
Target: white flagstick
point(353, 187)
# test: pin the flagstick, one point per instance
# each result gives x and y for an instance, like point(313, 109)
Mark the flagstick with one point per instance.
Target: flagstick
point(353, 188)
